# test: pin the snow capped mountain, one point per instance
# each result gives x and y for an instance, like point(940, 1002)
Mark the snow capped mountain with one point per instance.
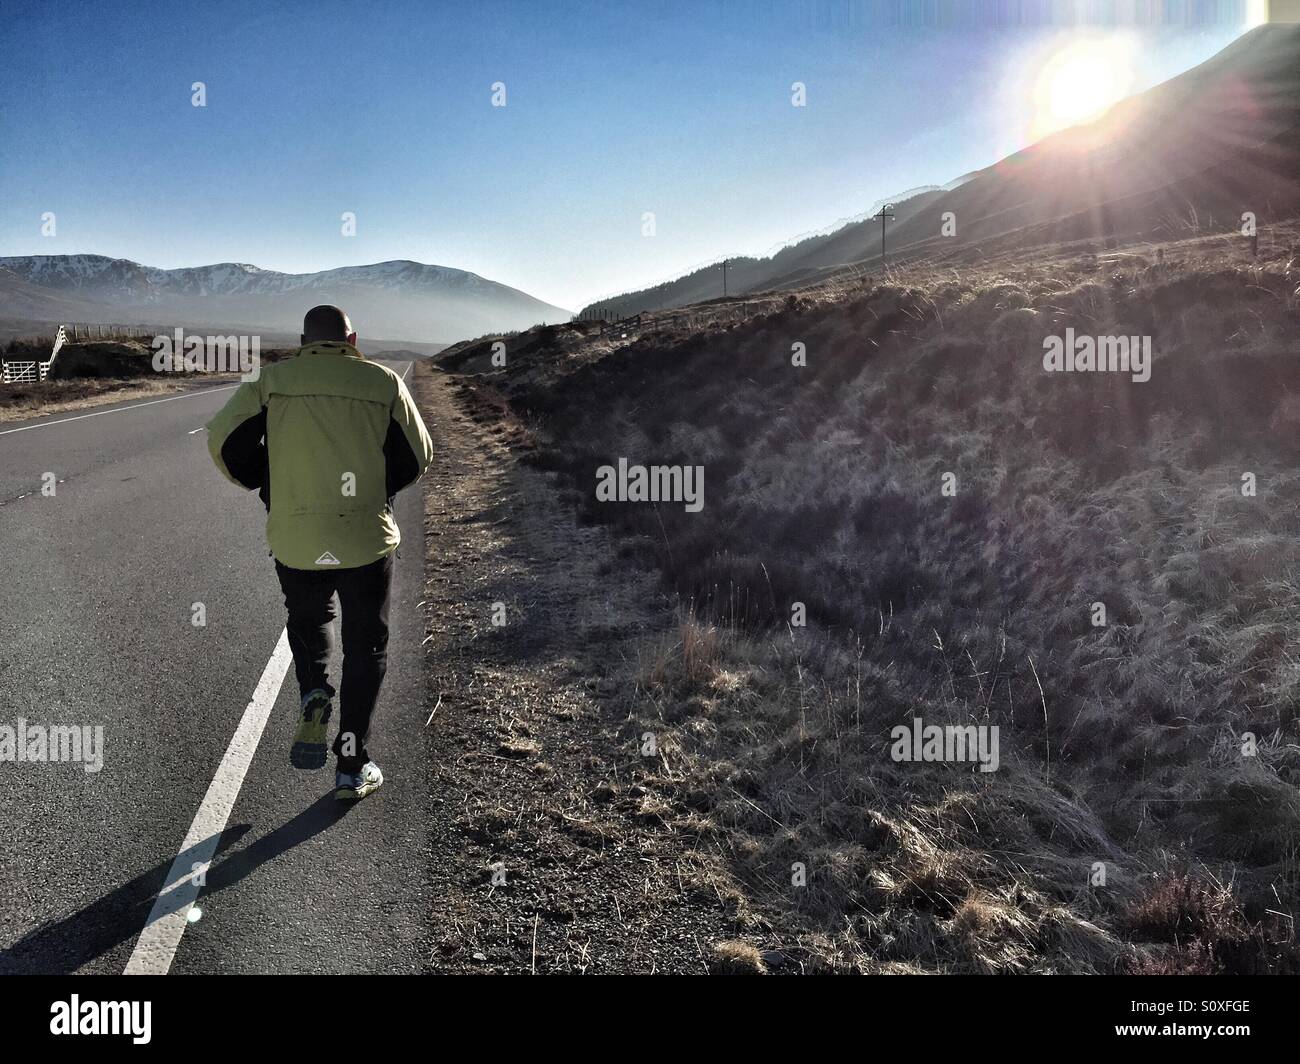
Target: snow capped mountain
point(399, 299)
point(103, 273)
point(77, 271)
point(208, 280)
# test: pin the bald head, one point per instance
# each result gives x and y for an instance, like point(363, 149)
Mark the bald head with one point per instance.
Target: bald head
point(327, 323)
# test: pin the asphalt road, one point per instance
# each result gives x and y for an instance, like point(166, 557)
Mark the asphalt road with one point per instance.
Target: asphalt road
point(97, 590)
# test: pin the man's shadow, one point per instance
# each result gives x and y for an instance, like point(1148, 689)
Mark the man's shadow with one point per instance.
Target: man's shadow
point(63, 946)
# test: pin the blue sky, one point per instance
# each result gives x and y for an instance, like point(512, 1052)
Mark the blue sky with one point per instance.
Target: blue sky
point(613, 109)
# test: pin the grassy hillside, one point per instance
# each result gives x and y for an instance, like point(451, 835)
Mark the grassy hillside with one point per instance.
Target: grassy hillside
point(1186, 157)
point(805, 261)
point(1161, 746)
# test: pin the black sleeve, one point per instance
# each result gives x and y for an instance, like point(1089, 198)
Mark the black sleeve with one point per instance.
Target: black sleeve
point(401, 467)
point(244, 452)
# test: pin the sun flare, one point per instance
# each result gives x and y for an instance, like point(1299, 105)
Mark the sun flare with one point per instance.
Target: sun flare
point(1079, 82)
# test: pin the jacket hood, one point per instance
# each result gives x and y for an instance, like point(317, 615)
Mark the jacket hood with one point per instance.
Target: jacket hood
point(330, 347)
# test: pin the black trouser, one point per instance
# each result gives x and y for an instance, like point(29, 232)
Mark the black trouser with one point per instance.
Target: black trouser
point(363, 597)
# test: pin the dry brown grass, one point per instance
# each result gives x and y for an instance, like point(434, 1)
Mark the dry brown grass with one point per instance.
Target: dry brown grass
point(691, 656)
point(736, 958)
point(19, 401)
point(1122, 745)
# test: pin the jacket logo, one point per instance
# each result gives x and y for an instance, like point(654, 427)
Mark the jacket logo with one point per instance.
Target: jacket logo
point(327, 559)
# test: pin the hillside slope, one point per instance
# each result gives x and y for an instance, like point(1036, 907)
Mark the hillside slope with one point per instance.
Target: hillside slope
point(1144, 814)
point(1186, 157)
point(1196, 151)
point(803, 261)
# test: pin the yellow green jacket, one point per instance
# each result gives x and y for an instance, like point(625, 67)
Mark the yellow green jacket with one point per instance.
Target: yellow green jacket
point(328, 438)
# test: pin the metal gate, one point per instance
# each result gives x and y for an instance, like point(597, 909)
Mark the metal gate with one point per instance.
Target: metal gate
point(25, 372)
point(31, 372)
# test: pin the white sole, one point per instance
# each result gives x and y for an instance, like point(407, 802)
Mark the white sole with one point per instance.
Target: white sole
point(347, 794)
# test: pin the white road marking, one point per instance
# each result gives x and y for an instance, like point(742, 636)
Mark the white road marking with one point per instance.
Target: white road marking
point(193, 431)
point(120, 409)
point(162, 932)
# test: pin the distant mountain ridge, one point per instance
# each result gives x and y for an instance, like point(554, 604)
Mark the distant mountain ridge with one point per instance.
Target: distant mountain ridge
point(1189, 154)
point(400, 299)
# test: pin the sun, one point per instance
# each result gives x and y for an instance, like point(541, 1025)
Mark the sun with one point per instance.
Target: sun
point(1078, 82)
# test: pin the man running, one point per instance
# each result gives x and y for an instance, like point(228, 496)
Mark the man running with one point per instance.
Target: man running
point(329, 438)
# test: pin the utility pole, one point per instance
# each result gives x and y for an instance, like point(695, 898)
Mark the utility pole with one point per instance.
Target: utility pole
point(724, 278)
point(886, 212)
